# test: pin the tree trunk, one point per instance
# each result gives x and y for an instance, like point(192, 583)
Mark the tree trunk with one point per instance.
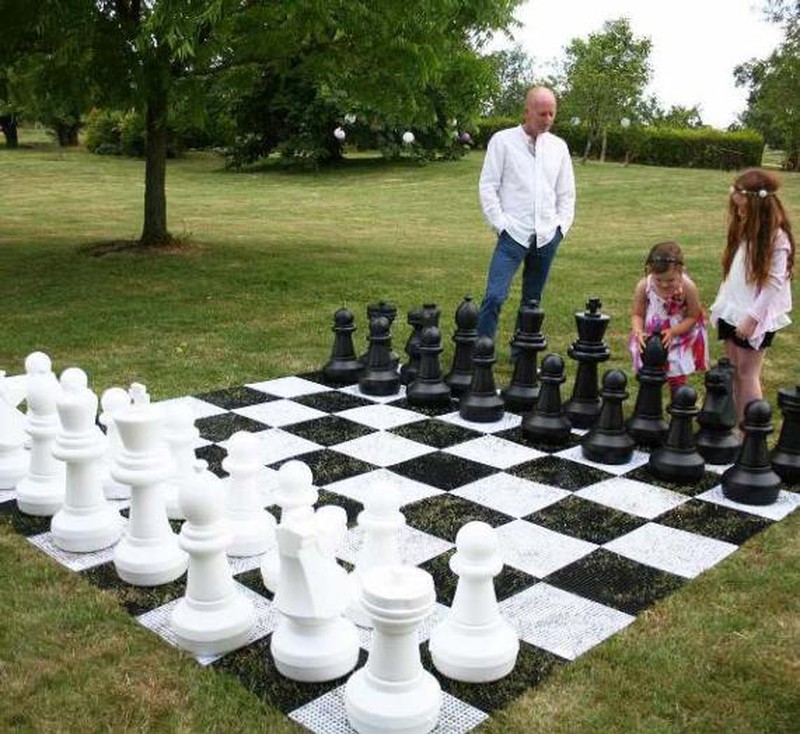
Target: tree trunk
point(154, 232)
point(67, 133)
point(588, 147)
point(604, 145)
point(8, 124)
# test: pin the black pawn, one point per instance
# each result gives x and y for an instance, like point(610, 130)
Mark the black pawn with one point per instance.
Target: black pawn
point(716, 440)
point(786, 454)
point(678, 460)
point(588, 351)
point(751, 479)
point(481, 403)
point(409, 370)
point(428, 388)
point(547, 422)
point(343, 366)
point(647, 425)
point(523, 391)
point(430, 314)
point(389, 312)
point(380, 375)
point(466, 334)
point(608, 442)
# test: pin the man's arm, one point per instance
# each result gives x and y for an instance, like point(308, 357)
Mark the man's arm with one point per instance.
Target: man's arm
point(565, 193)
point(489, 185)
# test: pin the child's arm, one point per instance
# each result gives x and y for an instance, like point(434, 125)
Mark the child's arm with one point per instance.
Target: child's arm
point(638, 311)
point(693, 310)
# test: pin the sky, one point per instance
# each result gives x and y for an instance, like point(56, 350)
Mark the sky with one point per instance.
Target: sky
point(695, 44)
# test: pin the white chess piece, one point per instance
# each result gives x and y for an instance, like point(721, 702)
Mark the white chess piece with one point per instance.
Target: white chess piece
point(474, 643)
point(148, 553)
point(112, 401)
point(14, 459)
point(138, 394)
point(213, 617)
point(41, 491)
point(85, 522)
point(180, 435)
point(252, 528)
point(392, 692)
point(313, 642)
point(295, 495)
point(379, 523)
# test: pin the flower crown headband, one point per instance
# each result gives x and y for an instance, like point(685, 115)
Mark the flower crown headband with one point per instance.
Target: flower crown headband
point(761, 193)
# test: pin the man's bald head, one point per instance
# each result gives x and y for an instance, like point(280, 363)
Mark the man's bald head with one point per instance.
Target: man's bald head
point(540, 110)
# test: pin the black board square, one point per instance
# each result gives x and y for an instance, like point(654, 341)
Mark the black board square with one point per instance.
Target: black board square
point(714, 521)
point(222, 427)
point(532, 667)
point(429, 410)
point(707, 481)
point(445, 471)
point(135, 599)
point(329, 430)
point(318, 376)
point(254, 667)
point(235, 397)
point(439, 434)
point(253, 580)
point(617, 582)
point(444, 515)
point(332, 401)
point(557, 472)
point(515, 434)
point(213, 455)
point(508, 582)
point(328, 466)
point(25, 525)
point(351, 507)
point(586, 520)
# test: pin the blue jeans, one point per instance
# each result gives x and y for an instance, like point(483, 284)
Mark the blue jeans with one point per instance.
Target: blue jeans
point(508, 254)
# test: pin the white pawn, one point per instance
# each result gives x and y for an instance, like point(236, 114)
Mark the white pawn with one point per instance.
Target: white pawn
point(295, 495)
point(393, 692)
point(313, 642)
point(138, 394)
point(213, 617)
point(85, 522)
point(14, 459)
point(112, 401)
point(475, 643)
point(251, 526)
point(41, 491)
point(148, 553)
point(379, 522)
point(180, 435)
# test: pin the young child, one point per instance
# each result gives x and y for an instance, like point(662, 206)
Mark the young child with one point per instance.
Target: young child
point(755, 297)
point(666, 300)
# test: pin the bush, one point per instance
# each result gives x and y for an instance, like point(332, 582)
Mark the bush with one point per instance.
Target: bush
point(103, 132)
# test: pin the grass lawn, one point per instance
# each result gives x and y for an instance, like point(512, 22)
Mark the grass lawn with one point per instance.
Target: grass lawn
point(269, 255)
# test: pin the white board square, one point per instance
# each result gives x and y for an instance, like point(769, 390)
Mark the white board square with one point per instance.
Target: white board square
point(511, 495)
point(635, 498)
point(494, 451)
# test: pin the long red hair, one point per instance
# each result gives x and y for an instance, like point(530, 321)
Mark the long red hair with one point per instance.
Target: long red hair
point(759, 226)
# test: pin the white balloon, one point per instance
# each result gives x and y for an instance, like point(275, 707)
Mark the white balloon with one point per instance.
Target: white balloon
point(408, 137)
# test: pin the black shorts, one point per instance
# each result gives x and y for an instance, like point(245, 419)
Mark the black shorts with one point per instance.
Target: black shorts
point(728, 331)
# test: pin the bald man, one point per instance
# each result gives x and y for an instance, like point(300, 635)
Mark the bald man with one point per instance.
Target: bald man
point(527, 193)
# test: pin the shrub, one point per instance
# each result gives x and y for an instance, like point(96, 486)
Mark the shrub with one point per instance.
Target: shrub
point(103, 132)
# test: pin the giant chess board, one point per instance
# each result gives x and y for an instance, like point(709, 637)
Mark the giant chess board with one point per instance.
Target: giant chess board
point(586, 546)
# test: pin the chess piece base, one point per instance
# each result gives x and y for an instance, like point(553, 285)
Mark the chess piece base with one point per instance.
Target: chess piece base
point(673, 466)
point(608, 449)
point(750, 488)
point(213, 628)
point(252, 536)
point(77, 531)
point(717, 448)
point(650, 432)
point(786, 465)
point(13, 467)
point(315, 653)
point(42, 496)
point(150, 562)
point(481, 409)
point(460, 652)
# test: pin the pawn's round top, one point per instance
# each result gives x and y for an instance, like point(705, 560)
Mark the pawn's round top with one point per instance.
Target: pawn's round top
point(384, 499)
point(295, 474)
point(614, 381)
point(484, 347)
point(201, 503)
point(757, 412)
point(654, 354)
point(242, 445)
point(114, 399)
point(552, 365)
point(430, 337)
point(685, 397)
point(74, 379)
point(37, 363)
point(343, 317)
point(378, 325)
point(477, 541)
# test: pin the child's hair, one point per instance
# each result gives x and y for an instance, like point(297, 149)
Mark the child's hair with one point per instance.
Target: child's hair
point(662, 257)
point(758, 228)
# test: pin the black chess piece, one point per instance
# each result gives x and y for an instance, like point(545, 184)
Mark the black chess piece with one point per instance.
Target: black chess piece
point(466, 334)
point(523, 391)
point(343, 366)
point(389, 312)
point(608, 442)
point(430, 315)
point(481, 403)
point(647, 425)
point(380, 375)
point(428, 388)
point(547, 422)
point(786, 454)
point(588, 351)
point(751, 479)
point(716, 440)
point(409, 370)
point(678, 460)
